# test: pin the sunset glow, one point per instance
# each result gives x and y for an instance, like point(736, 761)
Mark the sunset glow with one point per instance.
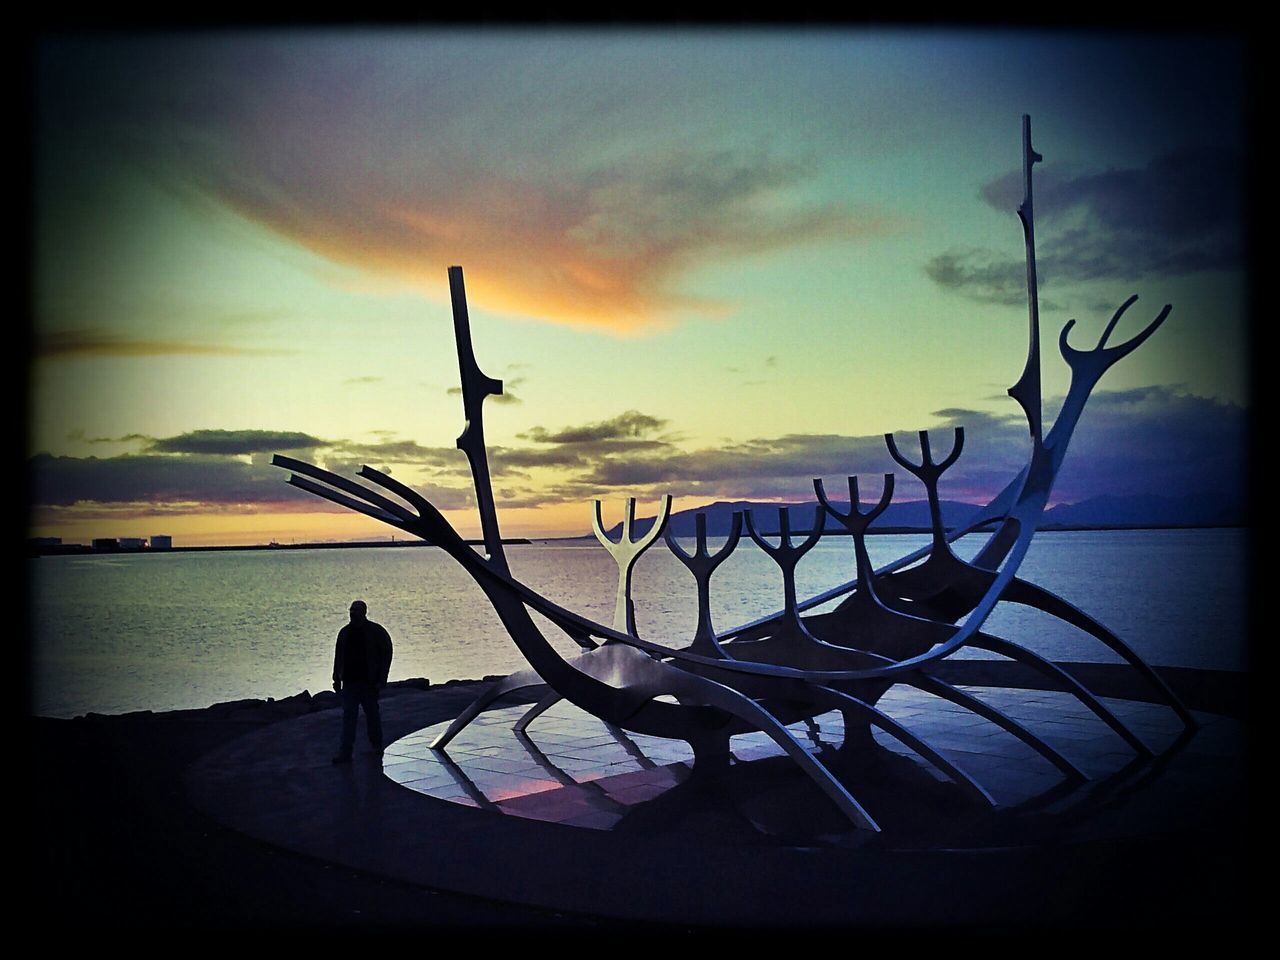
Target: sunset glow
point(714, 264)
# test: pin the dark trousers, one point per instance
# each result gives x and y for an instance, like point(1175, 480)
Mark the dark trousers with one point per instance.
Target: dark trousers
point(354, 696)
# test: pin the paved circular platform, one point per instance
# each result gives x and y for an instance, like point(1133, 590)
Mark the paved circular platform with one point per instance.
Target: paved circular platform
point(583, 817)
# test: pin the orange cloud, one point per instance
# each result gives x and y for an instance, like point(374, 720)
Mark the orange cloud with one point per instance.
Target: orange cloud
point(571, 192)
point(538, 272)
point(599, 249)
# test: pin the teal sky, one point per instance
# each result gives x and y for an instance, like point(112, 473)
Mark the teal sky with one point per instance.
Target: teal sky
point(697, 244)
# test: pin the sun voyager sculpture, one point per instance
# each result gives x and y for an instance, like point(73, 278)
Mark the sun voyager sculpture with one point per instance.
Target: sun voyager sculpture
point(894, 625)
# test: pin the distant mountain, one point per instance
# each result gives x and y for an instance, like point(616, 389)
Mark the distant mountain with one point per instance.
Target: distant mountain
point(1104, 511)
point(1147, 511)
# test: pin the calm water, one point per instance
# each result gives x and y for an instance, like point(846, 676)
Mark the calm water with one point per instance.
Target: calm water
point(159, 632)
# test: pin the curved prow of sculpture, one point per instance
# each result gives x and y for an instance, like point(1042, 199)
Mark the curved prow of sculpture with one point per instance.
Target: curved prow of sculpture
point(702, 564)
point(1094, 363)
point(1087, 368)
point(626, 551)
point(857, 522)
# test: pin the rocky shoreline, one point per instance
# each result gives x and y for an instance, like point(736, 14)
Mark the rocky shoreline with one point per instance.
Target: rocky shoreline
point(252, 710)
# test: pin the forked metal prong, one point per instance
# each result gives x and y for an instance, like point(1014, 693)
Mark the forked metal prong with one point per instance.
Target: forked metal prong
point(926, 470)
point(855, 518)
point(1098, 360)
point(626, 551)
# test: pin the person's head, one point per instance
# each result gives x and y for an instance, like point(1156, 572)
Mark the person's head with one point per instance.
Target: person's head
point(359, 610)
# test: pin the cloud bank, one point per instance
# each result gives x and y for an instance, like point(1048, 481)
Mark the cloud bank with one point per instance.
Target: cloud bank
point(218, 471)
point(1155, 440)
point(1179, 214)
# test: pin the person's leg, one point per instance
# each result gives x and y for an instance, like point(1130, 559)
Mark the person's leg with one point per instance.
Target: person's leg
point(373, 718)
point(350, 704)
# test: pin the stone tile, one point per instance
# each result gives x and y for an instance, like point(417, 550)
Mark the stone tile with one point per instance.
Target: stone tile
point(432, 785)
point(574, 767)
point(411, 753)
point(414, 770)
point(503, 764)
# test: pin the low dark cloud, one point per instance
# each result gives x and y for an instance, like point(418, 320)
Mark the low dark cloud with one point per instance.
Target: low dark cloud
point(1188, 194)
point(980, 275)
point(502, 459)
point(145, 484)
point(127, 438)
point(124, 511)
point(583, 448)
point(64, 344)
point(205, 471)
point(399, 451)
point(785, 466)
point(1158, 440)
point(354, 381)
point(1154, 440)
point(236, 442)
point(196, 479)
point(1180, 214)
point(631, 425)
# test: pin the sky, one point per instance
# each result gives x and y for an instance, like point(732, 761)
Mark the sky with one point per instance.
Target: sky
point(714, 263)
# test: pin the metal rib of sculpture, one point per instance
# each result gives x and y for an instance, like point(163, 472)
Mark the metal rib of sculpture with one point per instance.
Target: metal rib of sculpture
point(702, 564)
point(625, 552)
point(893, 625)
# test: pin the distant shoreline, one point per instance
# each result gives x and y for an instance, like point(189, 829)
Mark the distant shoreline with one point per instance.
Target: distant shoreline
point(80, 550)
point(990, 528)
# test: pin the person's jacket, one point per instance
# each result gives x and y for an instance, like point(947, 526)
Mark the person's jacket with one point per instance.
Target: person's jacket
point(377, 649)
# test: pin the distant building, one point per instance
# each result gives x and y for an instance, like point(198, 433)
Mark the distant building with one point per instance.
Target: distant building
point(106, 544)
point(40, 546)
point(161, 542)
point(132, 543)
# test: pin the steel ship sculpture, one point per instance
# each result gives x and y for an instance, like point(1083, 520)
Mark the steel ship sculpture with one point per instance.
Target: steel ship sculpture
point(893, 625)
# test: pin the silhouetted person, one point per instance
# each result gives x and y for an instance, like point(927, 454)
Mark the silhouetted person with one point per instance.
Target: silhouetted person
point(360, 667)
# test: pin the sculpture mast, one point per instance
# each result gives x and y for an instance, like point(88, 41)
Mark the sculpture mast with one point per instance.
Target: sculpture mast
point(475, 387)
point(1027, 390)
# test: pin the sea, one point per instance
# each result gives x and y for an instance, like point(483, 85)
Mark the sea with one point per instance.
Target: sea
point(162, 631)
